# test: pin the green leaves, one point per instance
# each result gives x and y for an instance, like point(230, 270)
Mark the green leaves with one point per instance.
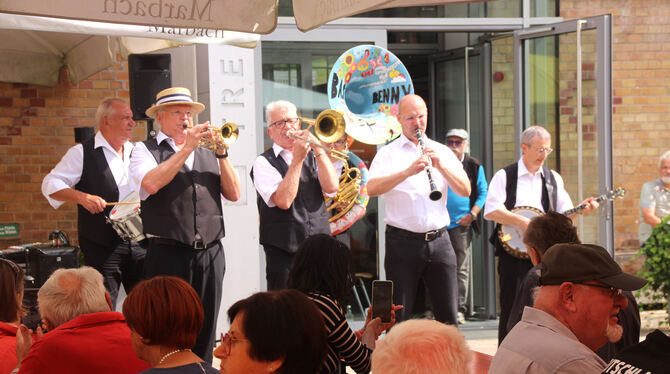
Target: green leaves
point(656, 268)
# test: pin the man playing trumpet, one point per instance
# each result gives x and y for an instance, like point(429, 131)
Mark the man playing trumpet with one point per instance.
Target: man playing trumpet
point(181, 185)
point(291, 179)
point(417, 244)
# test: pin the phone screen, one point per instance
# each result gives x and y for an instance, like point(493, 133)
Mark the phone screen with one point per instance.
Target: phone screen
point(382, 298)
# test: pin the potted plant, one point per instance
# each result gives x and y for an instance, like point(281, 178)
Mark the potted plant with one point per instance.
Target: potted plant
point(656, 268)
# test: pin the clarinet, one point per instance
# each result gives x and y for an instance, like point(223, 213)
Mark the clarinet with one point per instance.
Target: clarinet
point(435, 194)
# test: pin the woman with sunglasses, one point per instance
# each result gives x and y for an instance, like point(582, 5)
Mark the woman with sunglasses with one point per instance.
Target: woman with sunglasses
point(323, 269)
point(165, 315)
point(11, 298)
point(273, 332)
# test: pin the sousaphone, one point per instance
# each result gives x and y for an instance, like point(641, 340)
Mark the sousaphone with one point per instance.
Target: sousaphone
point(365, 85)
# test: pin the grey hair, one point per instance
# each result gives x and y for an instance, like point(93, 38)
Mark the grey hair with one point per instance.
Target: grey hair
point(665, 156)
point(105, 108)
point(69, 293)
point(292, 110)
point(533, 131)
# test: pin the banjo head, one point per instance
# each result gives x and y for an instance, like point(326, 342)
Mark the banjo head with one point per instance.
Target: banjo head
point(511, 236)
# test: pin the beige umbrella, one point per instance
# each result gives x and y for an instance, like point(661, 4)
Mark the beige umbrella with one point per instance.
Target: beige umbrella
point(255, 16)
point(33, 49)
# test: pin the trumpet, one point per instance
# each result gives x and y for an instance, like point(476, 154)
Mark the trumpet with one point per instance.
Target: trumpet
point(435, 194)
point(329, 126)
point(222, 137)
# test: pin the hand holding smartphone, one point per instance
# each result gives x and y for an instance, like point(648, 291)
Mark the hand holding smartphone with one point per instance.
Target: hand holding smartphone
point(382, 299)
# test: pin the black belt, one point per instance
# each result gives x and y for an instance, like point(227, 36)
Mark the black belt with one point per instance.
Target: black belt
point(425, 236)
point(198, 244)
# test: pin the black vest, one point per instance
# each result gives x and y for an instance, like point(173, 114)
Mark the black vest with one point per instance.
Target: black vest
point(471, 166)
point(96, 179)
point(190, 204)
point(549, 196)
point(286, 229)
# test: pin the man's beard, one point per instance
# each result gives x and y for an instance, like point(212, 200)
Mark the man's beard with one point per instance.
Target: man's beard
point(665, 179)
point(613, 332)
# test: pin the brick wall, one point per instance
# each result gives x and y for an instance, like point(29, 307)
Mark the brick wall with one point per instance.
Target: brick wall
point(641, 81)
point(36, 129)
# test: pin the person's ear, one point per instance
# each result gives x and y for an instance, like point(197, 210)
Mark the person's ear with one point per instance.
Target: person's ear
point(534, 254)
point(273, 366)
point(109, 301)
point(567, 296)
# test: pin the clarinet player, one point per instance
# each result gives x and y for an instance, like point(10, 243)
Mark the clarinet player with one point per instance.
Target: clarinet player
point(417, 244)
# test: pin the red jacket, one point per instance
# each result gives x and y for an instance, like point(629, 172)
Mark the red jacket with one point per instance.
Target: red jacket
point(91, 343)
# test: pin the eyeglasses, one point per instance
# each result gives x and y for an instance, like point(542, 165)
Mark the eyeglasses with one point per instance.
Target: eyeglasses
point(420, 117)
point(456, 143)
point(227, 343)
point(282, 122)
point(546, 151)
point(180, 114)
point(613, 291)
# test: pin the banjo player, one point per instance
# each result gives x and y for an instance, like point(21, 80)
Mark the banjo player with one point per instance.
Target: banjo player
point(527, 182)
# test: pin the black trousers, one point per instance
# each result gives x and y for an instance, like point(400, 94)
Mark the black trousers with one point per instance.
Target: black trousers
point(277, 266)
point(409, 259)
point(203, 270)
point(120, 264)
point(511, 271)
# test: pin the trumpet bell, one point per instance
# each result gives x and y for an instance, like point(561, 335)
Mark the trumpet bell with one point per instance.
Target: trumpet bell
point(229, 132)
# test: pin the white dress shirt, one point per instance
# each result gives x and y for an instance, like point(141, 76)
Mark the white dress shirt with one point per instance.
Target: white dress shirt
point(266, 177)
point(67, 172)
point(407, 205)
point(528, 191)
point(142, 162)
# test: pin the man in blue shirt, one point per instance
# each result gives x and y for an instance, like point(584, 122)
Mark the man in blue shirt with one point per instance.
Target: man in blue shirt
point(464, 213)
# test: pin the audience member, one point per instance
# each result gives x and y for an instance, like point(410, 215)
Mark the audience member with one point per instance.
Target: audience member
point(11, 298)
point(84, 335)
point(273, 332)
point(655, 199)
point(648, 356)
point(422, 346)
point(323, 270)
point(575, 313)
point(164, 315)
point(543, 232)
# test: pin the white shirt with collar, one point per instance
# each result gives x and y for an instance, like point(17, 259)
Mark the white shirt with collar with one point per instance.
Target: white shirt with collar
point(528, 190)
point(407, 205)
point(266, 177)
point(142, 162)
point(67, 172)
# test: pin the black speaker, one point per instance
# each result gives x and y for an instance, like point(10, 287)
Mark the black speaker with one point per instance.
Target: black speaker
point(148, 75)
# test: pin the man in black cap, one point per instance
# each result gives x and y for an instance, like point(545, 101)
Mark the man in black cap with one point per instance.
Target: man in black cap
point(575, 313)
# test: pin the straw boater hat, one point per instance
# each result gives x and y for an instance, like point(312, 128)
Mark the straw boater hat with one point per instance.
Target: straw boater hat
point(172, 96)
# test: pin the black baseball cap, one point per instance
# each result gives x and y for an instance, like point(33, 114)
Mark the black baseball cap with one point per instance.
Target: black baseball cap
point(571, 262)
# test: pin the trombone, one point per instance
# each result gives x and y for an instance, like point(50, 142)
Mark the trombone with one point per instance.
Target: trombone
point(329, 126)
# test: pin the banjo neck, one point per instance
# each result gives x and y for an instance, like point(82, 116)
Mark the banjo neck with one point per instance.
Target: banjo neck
point(619, 192)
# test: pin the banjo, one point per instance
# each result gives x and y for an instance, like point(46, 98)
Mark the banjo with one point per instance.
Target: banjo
point(511, 236)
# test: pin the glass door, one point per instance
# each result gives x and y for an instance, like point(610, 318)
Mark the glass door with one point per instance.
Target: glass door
point(461, 98)
point(562, 81)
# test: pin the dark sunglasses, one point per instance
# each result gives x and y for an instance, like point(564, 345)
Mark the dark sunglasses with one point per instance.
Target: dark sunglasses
point(613, 291)
point(456, 143)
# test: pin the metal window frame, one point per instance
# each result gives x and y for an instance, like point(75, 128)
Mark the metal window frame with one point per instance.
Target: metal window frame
point(603, 26)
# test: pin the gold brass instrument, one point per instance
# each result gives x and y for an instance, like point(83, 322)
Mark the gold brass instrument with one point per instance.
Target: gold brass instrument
point(329, 127)
point(222, 137)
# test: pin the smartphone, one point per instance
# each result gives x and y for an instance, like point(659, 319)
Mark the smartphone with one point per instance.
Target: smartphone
point(382, 298)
